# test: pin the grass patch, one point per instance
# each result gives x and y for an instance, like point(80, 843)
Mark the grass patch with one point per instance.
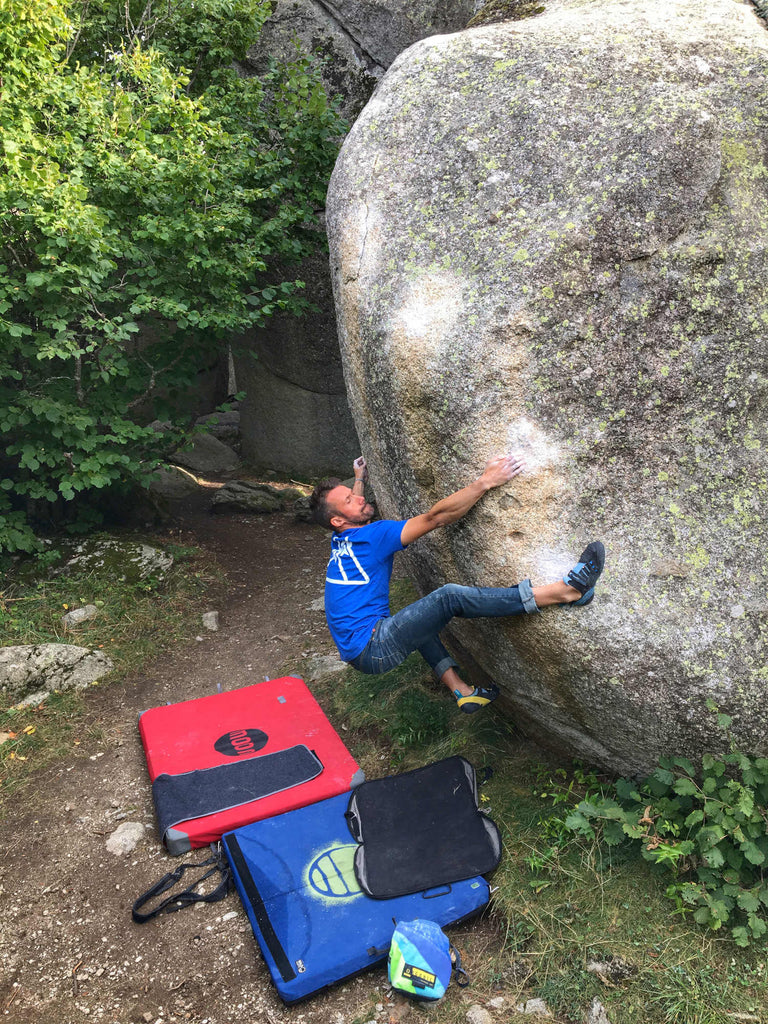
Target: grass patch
point(136, 621)
point(558, 908)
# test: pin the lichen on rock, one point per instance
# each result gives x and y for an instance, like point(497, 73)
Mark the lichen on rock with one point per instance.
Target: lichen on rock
point(29, 672)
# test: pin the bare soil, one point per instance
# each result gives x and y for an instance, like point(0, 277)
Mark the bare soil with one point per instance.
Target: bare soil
point(69, 950)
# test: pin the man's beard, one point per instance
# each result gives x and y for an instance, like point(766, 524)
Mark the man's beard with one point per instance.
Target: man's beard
point(364, 516)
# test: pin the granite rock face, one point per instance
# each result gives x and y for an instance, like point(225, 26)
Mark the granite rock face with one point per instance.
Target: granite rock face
point(552, 235)
point(295, 417)
point(356, 40)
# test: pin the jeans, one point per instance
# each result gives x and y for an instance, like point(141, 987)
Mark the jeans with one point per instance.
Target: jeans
point(415, 628)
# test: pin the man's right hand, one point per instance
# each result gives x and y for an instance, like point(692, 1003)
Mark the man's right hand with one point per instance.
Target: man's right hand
point(501, 469)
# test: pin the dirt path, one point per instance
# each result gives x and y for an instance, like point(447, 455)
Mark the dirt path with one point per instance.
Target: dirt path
point(69, 950)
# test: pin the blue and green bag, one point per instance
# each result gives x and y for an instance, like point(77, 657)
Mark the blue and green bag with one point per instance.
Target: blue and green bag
point(421, 959)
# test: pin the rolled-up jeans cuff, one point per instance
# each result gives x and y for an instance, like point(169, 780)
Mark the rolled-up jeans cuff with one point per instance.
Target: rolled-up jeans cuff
point(442, 667)
point(526, 596)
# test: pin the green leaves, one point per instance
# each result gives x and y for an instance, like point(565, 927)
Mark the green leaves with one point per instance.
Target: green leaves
point(577, 822)
point(752, 853)
point(710, 825)
point(140, 206)
point(685, 787)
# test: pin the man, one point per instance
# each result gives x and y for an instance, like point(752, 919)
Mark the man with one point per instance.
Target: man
point(359, 571)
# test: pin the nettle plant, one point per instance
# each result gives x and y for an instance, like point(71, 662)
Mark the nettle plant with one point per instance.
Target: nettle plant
point(709, 827)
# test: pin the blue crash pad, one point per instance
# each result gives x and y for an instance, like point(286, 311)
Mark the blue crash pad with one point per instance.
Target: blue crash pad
point(314, 925)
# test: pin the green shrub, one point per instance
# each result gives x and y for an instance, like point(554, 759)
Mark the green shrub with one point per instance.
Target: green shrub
point(709, 827)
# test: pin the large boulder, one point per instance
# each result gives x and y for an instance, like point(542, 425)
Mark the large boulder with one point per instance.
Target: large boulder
point(295, 417)
point(552, 235)
point(354, 41)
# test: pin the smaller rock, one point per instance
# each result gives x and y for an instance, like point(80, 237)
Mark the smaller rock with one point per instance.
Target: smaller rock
point(324, 665)
point(612, 970)
point(596, 1013)
point(477, 1014)
point(78, 615)
point(207, 454)
point(125, 838)
point(497, 1003)
point(317, 606)
point(535, 1007)
point(223, 425)
point(211, 621)
point(28, 673)
point(290, 495)
point(245, 496)
point(127, 560)
point(172, 483)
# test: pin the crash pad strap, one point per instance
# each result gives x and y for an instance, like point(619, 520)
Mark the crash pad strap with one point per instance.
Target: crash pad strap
point(421, 829)
point(195, 794)
point(189, 895)
point(268, 932)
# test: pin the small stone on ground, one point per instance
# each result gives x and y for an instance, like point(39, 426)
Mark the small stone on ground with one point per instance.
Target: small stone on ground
point(596, 1013)
point(478, 1015)
point(125, 838)
point(211, 621)
point(536, 1007)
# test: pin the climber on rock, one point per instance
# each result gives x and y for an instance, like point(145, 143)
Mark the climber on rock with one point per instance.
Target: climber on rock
point(357, 581)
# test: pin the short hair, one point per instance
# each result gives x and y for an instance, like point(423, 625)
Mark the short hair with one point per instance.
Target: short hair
point(318, 502)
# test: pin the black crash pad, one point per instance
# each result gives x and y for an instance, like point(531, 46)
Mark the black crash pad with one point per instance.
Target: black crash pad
point(421, 829)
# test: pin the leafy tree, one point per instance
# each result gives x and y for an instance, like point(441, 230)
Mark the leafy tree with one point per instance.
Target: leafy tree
point(145, 190)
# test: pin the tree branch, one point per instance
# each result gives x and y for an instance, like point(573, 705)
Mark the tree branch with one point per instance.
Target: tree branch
point(154, 373)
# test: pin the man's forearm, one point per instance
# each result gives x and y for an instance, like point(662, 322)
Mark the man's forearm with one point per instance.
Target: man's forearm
point(497, 472)
point(449, 510)
point(360, 470)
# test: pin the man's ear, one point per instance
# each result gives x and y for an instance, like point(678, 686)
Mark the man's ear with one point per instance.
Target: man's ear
point(337, 522)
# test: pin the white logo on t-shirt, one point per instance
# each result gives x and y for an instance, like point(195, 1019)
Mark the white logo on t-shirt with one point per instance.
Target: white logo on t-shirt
point(340, 551)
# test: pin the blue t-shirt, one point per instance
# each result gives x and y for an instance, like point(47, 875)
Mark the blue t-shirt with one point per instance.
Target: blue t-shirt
point(357, 582)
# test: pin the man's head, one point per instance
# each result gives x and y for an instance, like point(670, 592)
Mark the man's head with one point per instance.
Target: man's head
point(337, 507)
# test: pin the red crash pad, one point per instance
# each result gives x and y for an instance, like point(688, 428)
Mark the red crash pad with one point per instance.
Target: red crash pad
point(207, 757)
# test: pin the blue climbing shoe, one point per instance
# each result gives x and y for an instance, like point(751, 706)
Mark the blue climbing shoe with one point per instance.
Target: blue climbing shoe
point(479, 698)
point(585, 574)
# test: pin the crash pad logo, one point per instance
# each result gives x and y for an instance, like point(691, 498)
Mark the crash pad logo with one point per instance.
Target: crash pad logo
point(331, 875)
point(241, 742)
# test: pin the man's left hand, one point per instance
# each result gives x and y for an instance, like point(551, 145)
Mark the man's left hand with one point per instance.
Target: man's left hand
point(360, 469)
